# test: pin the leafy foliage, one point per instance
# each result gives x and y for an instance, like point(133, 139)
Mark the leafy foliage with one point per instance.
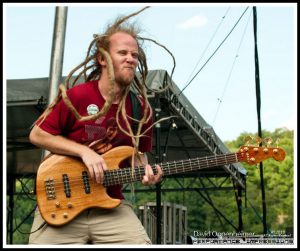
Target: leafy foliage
point(217, 209)
point(23, 204)
point(278, 181)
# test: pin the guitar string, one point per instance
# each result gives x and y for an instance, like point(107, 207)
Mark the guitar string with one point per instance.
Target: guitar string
point(112, 175)
point(124, 175)
point(170, 166)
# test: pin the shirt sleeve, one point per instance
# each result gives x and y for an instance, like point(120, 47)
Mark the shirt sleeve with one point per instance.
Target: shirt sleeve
point(58, 120)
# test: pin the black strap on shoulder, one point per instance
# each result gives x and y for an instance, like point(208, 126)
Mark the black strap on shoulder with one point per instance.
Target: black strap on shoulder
point(136, 111)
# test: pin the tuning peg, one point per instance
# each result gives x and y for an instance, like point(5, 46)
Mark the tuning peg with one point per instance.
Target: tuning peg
point(258, 140)
point(268, 141)
point(247, 140)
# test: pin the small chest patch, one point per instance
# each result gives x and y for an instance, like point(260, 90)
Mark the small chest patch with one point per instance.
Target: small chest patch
point(92, 109)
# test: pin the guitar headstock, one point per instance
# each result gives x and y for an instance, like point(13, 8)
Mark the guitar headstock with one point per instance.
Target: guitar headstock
point(255, 154)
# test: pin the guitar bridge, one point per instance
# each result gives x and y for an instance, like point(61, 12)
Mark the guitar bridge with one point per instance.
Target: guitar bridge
point(50, 189)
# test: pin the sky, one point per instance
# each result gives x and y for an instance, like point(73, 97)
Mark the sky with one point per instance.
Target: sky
point(223, 91)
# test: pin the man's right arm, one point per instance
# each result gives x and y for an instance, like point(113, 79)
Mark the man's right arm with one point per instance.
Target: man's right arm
point(55, 143)
point(62, 145)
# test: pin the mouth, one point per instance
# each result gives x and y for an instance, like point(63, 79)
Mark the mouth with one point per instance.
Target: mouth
point(129, 68)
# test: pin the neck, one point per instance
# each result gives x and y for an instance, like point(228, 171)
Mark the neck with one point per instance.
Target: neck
point(104, 88)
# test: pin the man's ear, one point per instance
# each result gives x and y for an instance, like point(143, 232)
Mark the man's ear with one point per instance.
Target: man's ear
point(101, 60)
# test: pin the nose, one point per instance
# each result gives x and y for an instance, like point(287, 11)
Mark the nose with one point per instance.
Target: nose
point(131, 59)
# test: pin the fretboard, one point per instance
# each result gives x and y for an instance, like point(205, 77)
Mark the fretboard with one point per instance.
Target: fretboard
point(129, 175)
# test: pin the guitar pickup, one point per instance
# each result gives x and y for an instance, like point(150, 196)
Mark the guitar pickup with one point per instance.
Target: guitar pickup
point(86, 184)
point(66, 185)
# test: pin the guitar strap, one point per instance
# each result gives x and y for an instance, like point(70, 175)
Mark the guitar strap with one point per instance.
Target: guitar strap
point(136, 111)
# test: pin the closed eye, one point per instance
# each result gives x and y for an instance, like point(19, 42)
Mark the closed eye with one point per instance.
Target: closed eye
point(123, 52)
point(135, 55)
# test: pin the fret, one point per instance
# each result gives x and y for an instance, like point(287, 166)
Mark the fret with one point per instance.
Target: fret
point(226, 162)
point(218, 160)
point(190, 164)
point(212, 162)
point(121, 175)
point(168, 168)
point(181, 167)
point(126, 175)
point(154, 168)
point(118, 177)
point(115, 177)
point(130, 174)
point(106, 179)
point(137, 174)
point(140, 173)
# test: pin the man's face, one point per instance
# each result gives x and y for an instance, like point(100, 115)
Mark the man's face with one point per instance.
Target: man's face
point(124, 54)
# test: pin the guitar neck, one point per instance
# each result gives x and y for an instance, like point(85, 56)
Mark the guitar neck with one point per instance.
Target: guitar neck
point(129, 175)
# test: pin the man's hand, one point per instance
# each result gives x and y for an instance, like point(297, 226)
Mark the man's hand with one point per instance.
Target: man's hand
point(61, 145)
point(149, 177)
point(95, 163)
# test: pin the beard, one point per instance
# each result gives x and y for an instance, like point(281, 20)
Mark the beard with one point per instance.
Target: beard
point(124, 79)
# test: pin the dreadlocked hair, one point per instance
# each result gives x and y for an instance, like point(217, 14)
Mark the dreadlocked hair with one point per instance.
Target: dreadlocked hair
point(99, 46)
point(90, 69)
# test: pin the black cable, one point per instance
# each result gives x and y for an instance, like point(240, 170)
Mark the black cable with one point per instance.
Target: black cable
point(209, 42)
point(20, 224)
point(214, 52)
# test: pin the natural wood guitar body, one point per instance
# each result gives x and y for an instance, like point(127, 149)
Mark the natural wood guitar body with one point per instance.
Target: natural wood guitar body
point(52, 192)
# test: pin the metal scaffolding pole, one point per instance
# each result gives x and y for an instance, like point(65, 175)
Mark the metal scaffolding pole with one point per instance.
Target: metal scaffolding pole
point(57, 54)
point(158, 160)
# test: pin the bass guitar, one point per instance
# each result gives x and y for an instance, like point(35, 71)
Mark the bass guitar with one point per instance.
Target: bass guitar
point(64, 187)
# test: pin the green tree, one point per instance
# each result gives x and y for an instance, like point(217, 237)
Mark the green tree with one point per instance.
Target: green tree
point(278, 182)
